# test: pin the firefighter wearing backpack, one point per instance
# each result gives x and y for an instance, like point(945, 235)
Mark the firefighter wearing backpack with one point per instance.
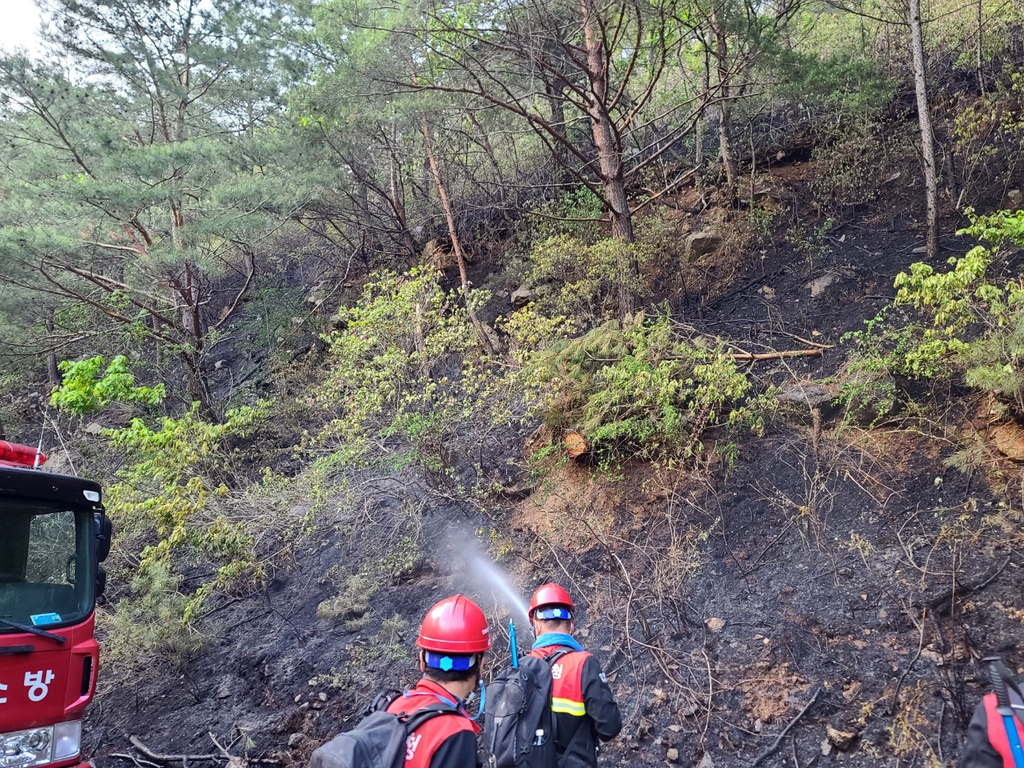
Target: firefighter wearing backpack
point(583, 704)
point(452, 642)
point(428, 726)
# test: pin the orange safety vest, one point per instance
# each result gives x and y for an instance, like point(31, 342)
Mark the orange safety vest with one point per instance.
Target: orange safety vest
point(566, 681)
point(425, 740)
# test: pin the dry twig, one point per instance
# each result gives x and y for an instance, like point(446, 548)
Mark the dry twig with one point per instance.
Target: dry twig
point(808, 342)
point(138, 761)
point(754, 356)
point(218, 745)
point(937, 603)
point(913, 661)
point(781, 736)
point(160, 758)
point(184, 759)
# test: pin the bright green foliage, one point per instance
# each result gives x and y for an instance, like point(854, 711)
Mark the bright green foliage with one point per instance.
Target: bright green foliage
point(994, 112)
point(407, 369)
point(528, 331)
point(583, 277)
point(867, 386)
point(973, 324)
point(408, 365)
point(637, 389)
point(85, 389)
point(174, 487)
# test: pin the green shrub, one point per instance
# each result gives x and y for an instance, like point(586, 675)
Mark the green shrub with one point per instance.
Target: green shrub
point(383, 657)
point(636, 389)
point(407, 375)
point(582, 279)
point(847, 173)
point(148, 624)
point(409, 380)
point(576, 213)
point(763, 222)
point(867, 386)
point(351, 602)
point(172, 489)
point(836, 84)
point(971, 323)
point(812, 242)
point(85, 390)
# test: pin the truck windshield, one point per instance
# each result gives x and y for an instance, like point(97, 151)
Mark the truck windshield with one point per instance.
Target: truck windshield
point(47, 573)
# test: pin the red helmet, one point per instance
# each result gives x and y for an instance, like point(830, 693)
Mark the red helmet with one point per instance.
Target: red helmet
point(455, 625)
point(550, 594)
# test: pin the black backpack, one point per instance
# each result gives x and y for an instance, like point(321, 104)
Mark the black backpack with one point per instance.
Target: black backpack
point(519, 726)
point(379, 741)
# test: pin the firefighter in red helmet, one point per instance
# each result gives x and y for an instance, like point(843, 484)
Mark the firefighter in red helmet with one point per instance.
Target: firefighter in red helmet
point(452, 642)
point(584, 707)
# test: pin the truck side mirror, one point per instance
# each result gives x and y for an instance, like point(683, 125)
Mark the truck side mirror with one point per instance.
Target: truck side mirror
point(104, 533)
point(101, 580)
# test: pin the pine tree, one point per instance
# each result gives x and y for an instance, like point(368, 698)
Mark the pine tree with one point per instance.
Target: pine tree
point(144, 180)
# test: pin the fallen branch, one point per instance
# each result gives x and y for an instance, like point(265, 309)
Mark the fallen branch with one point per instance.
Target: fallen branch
point(775, 355)
point(157, 757)
point(910, 666)
point(808, 342)
point(217, 744)
point(138, 761)
point(962, 590)
point(781, 736)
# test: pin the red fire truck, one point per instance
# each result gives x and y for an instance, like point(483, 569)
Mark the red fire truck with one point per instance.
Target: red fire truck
point(54, 534)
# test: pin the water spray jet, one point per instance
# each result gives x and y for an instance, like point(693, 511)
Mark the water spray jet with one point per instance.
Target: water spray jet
point(498, 580)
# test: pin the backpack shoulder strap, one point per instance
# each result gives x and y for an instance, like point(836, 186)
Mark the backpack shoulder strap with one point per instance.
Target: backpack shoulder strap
point(420, 716)
point(557, 655)
point(382, 701)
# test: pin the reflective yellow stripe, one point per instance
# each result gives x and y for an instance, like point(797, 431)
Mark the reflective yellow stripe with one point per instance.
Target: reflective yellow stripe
point(568, 707)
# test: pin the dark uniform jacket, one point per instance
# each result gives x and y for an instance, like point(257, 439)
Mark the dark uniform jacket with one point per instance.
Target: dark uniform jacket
point(445, 741)
point(987, 745)
point(584, 707)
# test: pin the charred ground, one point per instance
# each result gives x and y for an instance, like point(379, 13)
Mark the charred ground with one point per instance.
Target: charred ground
point(830, 560)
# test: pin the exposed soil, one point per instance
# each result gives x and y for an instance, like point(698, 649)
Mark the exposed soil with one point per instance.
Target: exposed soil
point(829, 562)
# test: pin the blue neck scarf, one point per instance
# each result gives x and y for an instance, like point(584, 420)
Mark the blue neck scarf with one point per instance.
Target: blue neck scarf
point(557, 638)
point(458, 703)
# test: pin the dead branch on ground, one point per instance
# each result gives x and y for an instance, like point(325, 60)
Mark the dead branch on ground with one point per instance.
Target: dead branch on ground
point(913, 661)
point(754, 356)
point(781, 736)
point(962, 590)
point(801, 339)
point(137, 760)
point(163, 759)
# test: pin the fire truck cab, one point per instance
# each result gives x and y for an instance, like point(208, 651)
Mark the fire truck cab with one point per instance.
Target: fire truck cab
point(53, 535)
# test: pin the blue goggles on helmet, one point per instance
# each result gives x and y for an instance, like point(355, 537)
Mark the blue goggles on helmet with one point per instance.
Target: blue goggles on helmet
point(552, 613)
point(447, 662)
